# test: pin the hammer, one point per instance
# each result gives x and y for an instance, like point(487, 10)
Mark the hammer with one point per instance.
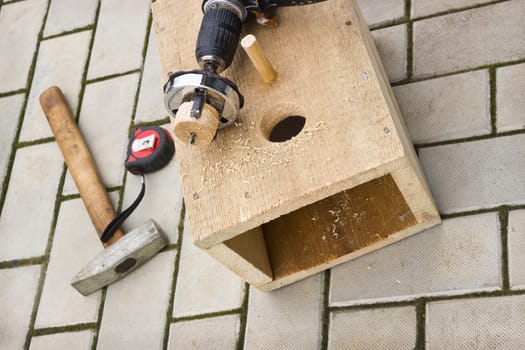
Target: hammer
point(123, 253)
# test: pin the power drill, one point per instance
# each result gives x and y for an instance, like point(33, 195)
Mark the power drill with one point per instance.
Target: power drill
point(202, 101)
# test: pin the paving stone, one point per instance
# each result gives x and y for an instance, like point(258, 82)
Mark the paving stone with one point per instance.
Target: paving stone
point(60, 62)
point(207, 333)
point(516, 248)
point(422, 8)
point(63, 17)
point(446, 108)
point(150, 105)
point(135, 308)
point(75, 243)
point(17, 295)
point(479, 174)
point(510, 98)
point(381, 11)
point(26, 218)
point(287, 318)
point(459, 256)
point(203, 284)
point(10, 108)
point(481, 323)
point(76, 340)
point(472, 38)
point(391, 44)
point(105, 117)
point(389, 328)
point(119, 38)
point(18, 42)
point(162, 201)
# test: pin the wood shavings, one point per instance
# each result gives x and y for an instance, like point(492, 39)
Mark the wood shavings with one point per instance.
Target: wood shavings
point(257, 157)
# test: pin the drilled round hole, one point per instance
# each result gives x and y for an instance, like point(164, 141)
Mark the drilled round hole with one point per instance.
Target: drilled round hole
point(282, 122)
point(287, 128)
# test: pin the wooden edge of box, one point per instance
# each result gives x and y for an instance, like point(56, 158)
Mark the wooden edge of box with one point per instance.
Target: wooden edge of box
point(246, 255)
point(259, 274)
point(302, 201)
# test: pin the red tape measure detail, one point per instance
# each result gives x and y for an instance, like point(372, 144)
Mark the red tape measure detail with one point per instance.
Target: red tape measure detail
point(144, 139)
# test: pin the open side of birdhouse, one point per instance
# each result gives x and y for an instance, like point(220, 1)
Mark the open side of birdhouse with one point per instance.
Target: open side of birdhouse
point(319, 168)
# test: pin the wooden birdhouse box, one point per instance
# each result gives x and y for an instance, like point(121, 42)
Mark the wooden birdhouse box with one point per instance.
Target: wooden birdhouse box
point(319, 168)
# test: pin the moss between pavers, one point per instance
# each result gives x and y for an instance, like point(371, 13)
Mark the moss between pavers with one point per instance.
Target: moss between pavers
point(243, 318)
point(69, 32)
point(504, 234)
point(325, 316)
point(63, 329)
point(169, 311)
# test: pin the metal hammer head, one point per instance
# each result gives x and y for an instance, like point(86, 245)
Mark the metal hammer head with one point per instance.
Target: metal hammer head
point(122, 257)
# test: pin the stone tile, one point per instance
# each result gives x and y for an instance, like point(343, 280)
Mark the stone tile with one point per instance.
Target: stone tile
point(391, 44)
point(510, 98)
point(10, 108)
point(381, 11)
point(136, 306)
point(150, 105)
point(287, 318)
point(446, 108)
point(162, 201)
point(119, 38)
point(75, 243)
point(18, 42)
point(473, 175)
point(26, 218)
point(516, 248)
point(203, 284)
point(63, 17)
point(472, 38)
point(60, 62)
point(482, 323)
point(461, 255)
point(207, 333)
point(105, 117)
point(389, 328)
point(76, 340)
point(17, 295)
point(422, 8)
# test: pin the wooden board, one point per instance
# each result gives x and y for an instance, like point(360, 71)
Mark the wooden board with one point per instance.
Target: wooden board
point(330, 74)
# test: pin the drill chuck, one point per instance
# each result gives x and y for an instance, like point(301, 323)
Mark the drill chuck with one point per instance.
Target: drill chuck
point(218, 38)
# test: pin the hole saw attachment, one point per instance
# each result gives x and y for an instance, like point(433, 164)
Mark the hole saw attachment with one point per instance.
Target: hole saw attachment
point(202, 101)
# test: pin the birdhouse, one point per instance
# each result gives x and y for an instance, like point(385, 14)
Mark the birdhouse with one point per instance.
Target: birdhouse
point(318, 169)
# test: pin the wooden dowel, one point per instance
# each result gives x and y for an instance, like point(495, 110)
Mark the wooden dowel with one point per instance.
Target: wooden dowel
point(198, 132)
point(256, 54)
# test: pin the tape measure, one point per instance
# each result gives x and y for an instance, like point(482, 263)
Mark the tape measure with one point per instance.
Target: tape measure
point(150, 148)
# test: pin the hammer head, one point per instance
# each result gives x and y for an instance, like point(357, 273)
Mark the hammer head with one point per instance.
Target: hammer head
point(122, 257)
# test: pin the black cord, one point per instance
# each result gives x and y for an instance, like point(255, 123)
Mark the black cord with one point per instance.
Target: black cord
point(119, 219)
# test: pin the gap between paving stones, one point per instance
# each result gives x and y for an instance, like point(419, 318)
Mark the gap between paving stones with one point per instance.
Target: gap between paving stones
point(65, 329)
point(469, 139)
point(325, 314)
point(69, 32)
point(26, 90)
point(169, 311)
point(243, 318)
point(235, 311)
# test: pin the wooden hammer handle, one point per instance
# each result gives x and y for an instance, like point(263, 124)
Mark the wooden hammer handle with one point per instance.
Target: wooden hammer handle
point(79, 160)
